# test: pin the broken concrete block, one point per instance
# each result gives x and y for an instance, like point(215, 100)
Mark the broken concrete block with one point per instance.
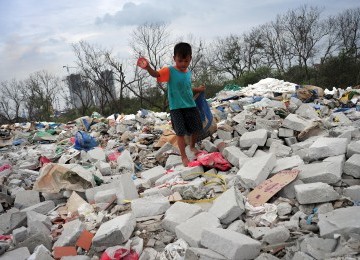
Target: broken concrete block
point(35, 227)
point(77, 257)
point(302, 256)
point(18, 253)
point(163, 149)
point(114, 232)
point(284, 132)
point(189, 173)
point(233, 154)
point(237, 226)
point(26, 198)
point(283, 208)
point(225, 135)
point(252, 150)
point(280, 150)
point(167, 177)
point(153, 174)
point(352, 192)
point(340, 118)
point(256, 170)
point(352, 166)
point(41, 253)
point(105, 196)
point(326, 147)
point(269, 141)
point(104, 168)
point(307, 111)
point(149, 206)
point(33, 241)
point(209, 146)
point(276, 235)
point(124, 186)
point(240, 129)
point(179, 213)
point(196, 253)
point(296, 122)
point(42, 207)
point(326, 172)
point(230, 244)
point(228, 206)
point(19, 234)
point(319, 248)
point(172, 161)
point(72, 231)
point(343, 221)
point(34, 216)
point(289, 141)
point(11, 220)
point(96, 154)
point(258, 137)
point(315, 193)
point(353, 148)
point(164, 191)
point(287, 163)
point(265, 256)
point(192, 229)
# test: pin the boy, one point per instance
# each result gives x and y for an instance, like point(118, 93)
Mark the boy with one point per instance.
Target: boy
point(185, 117)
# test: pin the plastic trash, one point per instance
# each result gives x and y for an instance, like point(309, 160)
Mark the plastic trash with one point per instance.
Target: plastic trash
point(129, 251)
point(84, 141)
point(212, 160)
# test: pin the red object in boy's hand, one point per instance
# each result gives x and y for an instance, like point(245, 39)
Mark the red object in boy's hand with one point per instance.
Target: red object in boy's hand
point(142, 62)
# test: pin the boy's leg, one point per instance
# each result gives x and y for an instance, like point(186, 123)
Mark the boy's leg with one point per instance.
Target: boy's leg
point(193, 140)
point(181, 145)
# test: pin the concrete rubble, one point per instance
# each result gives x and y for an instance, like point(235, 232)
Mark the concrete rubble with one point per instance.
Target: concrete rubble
point(94, 185)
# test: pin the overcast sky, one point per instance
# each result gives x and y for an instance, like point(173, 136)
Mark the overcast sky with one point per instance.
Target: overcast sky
point(37, 34)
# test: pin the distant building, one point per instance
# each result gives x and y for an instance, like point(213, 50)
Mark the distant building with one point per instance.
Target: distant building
point(80, 90)
point(106, 81)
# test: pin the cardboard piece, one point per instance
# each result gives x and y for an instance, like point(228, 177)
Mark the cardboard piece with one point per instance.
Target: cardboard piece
point(264, 191)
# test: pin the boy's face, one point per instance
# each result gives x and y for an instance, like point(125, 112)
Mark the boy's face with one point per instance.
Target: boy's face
point(182, 63)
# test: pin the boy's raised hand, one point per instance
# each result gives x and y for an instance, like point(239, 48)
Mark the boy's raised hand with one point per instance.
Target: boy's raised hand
point(201, 88)
point(142, 63)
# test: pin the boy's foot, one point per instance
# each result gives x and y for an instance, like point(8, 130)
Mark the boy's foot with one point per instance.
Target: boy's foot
point(194, 150)
point(185, 161)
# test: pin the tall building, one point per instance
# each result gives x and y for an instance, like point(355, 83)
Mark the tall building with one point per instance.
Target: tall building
point(106, 81)
point(80, 91)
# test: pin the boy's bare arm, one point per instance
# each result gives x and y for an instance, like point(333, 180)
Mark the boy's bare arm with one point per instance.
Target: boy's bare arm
point(199, 89)
point(152, 72)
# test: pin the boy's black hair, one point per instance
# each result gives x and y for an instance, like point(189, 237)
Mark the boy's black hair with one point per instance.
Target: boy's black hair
point(182, 49)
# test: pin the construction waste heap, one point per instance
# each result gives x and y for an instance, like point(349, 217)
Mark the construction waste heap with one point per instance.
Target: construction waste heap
point(277, 177)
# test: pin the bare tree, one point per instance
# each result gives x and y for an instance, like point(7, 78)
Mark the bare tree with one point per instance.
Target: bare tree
point(274, 46)
point(11, 99)
point(94, 68)
point(253, 49)
point(349, 31)
point(228, 56)
point(152, 40)
point(40, 91)
point(304, 32)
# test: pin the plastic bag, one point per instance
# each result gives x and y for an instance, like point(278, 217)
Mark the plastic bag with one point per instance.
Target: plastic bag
point(84, 141)
point(175, 251)
point(212, 160)
point(129, 251)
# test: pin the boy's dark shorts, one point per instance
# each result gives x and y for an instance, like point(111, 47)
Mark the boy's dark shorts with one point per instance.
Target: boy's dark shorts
point(186, 121)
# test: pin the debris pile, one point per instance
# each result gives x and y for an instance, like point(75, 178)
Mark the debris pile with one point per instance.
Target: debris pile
point(277, 178)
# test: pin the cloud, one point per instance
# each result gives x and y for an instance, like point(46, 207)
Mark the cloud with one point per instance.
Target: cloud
point(137, 14)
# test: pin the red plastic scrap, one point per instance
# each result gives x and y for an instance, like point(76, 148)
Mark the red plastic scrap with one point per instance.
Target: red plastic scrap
point(5, 237)
point(212, 160)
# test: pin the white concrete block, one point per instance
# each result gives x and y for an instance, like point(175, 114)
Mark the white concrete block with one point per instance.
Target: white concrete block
point(232, 245)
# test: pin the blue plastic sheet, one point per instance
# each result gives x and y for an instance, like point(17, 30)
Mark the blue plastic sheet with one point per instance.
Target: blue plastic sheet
point(84, 141)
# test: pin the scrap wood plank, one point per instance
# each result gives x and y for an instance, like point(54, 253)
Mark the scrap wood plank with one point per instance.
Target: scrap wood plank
point(264, 191)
